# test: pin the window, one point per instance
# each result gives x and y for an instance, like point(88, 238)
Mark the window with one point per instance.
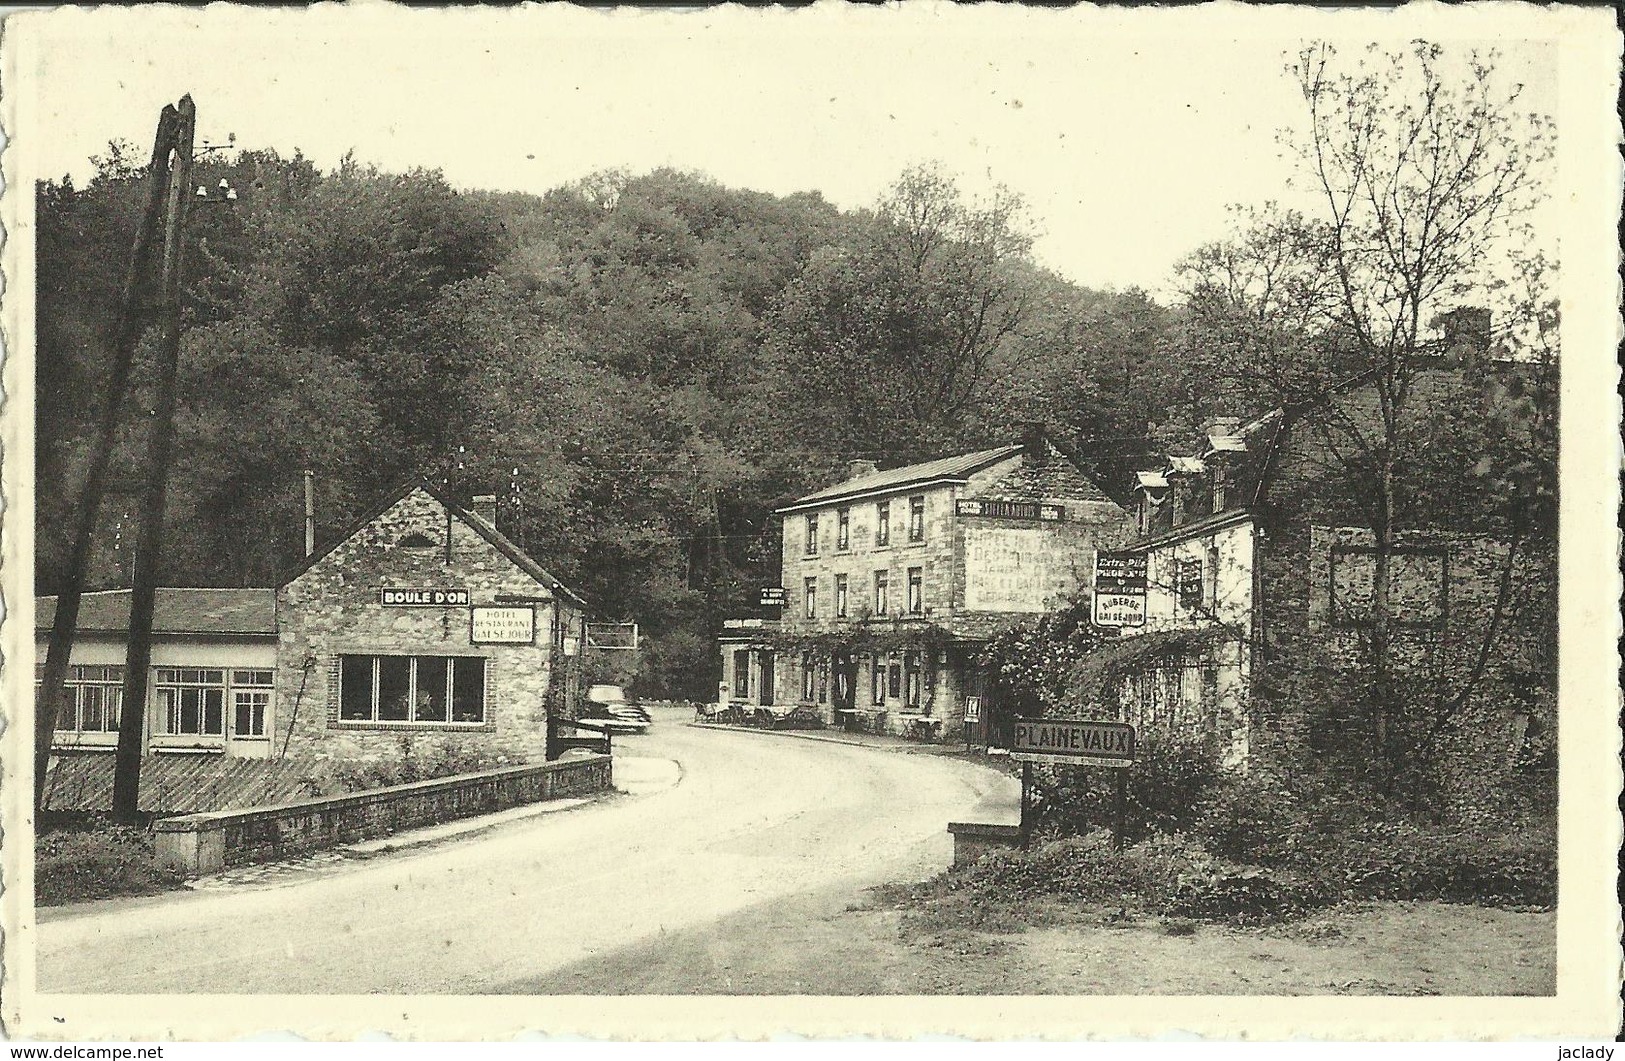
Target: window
point(843, 530)
point(92, 699)
point(1418, 585)
point(812, 535)
point(882, 523)
point(877, 680)
point(422, 689)
point(823, 681)
point(250, 702)
point(916, 590)
point(840, 596)
point(1188, 583)
point(741, 675)
point(191, 701)
point(894, 679)
point(916, 518)
point(882, 580)
point(809, 677)
point(912, 682)
point(812, 598)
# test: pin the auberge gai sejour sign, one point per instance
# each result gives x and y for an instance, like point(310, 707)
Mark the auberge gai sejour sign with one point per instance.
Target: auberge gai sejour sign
point(1120, 581)
point(1078, 742)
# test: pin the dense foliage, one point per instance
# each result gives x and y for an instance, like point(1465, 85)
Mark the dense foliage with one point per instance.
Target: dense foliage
point(639, 366)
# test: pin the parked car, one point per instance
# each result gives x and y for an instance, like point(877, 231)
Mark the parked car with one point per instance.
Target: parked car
point(610, 703)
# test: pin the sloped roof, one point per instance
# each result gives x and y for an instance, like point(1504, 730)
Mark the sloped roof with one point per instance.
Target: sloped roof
point(176, 784)
point(499, 541)
point(1058, 478)
point(945, 469)
point(220, 612)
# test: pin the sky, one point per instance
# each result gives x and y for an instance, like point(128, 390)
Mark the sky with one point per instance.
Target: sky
point(1127, 132)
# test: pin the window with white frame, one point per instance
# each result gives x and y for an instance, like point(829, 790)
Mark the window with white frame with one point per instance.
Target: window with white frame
point(882, 523)
point(916, 590)
point(92, 699)
point(810, 587)
point(877, 680)
point(916, 518)
point(429, 690)
point(840, 596)
point(809, 678)
point(912, 680)
point(250, 702)
point(843, 530)
point(812, 535)
point(191, 701)
point(882, 590)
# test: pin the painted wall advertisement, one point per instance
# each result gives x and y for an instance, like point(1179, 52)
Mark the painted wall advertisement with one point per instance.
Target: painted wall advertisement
point(1120, 589)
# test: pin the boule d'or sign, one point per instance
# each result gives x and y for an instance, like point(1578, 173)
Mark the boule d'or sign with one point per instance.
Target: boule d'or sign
point(418, 597)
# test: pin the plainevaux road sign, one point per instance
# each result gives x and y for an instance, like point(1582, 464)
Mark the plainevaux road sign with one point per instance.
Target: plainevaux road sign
point(1078, 742)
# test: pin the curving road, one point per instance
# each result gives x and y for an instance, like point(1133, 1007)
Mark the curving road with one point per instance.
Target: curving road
point(753, 817)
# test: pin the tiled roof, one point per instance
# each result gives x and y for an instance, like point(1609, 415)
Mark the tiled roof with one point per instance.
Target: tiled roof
point(176, 784)
point(951, 468)
point(239, 612)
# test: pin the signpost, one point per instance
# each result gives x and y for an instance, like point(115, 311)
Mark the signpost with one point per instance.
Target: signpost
point(973, 715)
point(1120, 589)
point(1075, 742)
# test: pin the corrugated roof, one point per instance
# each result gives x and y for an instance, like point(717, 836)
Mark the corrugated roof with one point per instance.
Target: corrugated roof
point(946, 468)
point(1152, 480)
point(232, 612)
point(177, 784)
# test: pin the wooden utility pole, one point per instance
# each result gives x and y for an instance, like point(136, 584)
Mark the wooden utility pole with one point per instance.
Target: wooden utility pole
point(131, 325)
point(138, 657)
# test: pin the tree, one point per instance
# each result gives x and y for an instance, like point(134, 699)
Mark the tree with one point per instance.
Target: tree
point(1424, 170)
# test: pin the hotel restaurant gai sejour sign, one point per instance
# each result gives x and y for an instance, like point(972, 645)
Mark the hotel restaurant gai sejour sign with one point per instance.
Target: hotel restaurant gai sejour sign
point(1075, 742)
point(1119, 589)
point(411, 597)
point(502, 626)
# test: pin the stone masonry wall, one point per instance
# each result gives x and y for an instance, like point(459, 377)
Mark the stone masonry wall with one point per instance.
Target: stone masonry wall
point(333, 609)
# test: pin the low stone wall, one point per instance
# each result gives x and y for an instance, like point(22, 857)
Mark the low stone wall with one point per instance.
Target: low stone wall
point(195, 844)
point(972, 840)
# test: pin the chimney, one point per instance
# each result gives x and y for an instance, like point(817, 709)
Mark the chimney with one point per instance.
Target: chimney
point(1466, 331)
point(1216, 426)
point(1035, 443)
point(485, 507)
point(857, 469)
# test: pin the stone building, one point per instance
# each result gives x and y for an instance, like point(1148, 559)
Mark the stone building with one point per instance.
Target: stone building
point(1260, 586)
point(895, 579)
point(419, 627)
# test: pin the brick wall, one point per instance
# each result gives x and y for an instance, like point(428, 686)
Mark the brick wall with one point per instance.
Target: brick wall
point(333, 609)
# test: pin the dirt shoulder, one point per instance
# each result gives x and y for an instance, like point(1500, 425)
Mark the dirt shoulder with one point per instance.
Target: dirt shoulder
point(836, 943)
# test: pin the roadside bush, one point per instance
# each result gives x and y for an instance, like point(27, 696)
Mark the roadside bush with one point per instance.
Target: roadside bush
point(1173, 774)
point(97, 862)
point(332, 777)
point(1255, 819)
point(1400, 861)
point(1251, 896)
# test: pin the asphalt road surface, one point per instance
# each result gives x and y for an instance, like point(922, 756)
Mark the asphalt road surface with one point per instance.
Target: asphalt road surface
point(752, 818)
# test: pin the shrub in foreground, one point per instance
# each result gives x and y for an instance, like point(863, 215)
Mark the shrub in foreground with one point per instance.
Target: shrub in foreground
point(96, 863)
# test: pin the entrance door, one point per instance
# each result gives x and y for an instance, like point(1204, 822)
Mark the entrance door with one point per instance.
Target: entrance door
point(843, 696)
point(769, 683)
